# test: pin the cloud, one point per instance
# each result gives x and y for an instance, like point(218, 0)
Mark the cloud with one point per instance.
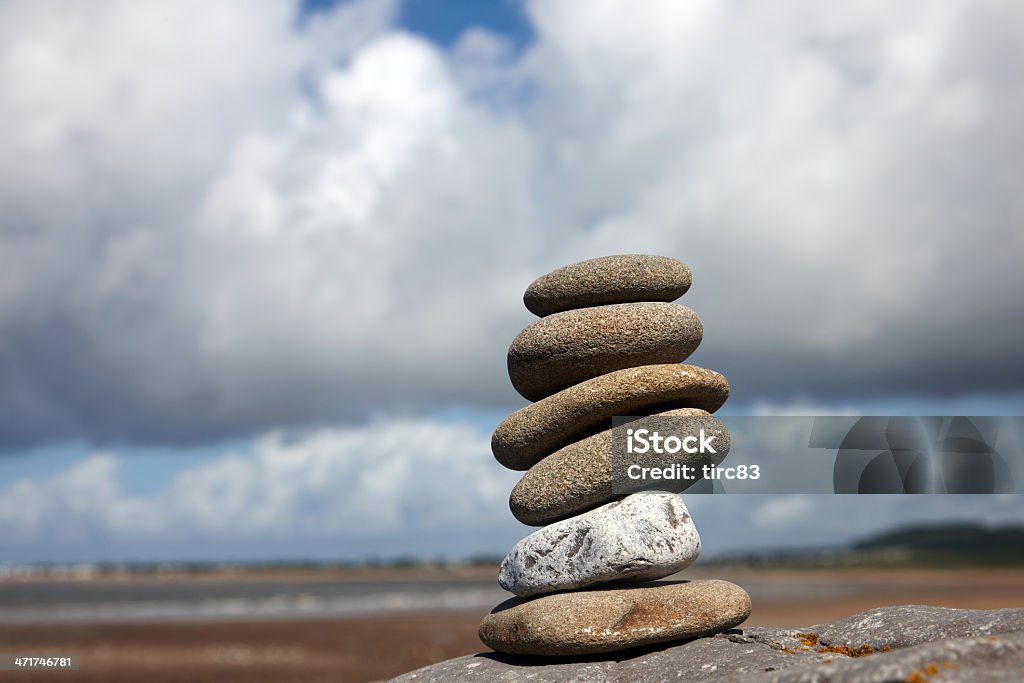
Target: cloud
point(400, 487)
point(782, 511)
point(83, 501)
point(217, 227)
point(392, 488)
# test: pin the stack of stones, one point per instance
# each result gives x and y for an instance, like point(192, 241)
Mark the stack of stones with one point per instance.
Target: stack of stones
point(609, 343)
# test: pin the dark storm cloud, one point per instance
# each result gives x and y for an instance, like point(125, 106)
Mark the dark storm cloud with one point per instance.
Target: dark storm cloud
point(193, 248)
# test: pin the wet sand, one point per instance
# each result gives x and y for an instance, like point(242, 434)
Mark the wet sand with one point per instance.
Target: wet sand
point(377, 647)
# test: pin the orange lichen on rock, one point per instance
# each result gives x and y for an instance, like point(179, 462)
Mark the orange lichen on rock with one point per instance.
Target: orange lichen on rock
point(924, 675)
point(811, 640)
point(808, 639)
point(862, 651)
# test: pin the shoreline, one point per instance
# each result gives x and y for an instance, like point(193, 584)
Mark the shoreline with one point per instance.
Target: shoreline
point(372, 647)
point(475, 572)
point(418, 573)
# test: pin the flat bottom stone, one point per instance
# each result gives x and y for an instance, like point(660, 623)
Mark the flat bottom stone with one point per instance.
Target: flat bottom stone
point(607, 620)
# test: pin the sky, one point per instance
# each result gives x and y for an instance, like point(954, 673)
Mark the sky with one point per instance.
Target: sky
point(260, 262)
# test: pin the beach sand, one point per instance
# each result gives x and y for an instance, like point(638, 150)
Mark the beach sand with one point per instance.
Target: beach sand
point(377, 647)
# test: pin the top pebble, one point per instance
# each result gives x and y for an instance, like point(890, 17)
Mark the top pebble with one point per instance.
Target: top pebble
point(619, 279)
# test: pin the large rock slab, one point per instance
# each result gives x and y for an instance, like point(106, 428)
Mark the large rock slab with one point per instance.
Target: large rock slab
point(608, 280)
point(581, 475)
point(594, 621)
point(531, 433)
point(567, 348)
point(643, 536)
point(911, 643)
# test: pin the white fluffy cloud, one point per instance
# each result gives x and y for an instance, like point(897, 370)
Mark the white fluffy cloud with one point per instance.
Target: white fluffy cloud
point(218, 220)
point(412, 486)
point(783, 511)
point(409, 487)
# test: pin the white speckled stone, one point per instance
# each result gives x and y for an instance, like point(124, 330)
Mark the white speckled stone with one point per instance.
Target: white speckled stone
point(641, 537)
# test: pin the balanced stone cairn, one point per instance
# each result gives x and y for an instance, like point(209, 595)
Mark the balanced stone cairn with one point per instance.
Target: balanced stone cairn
point(609, 343)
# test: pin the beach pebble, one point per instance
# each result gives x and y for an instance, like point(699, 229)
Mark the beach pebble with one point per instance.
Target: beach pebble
point(579, 476)
point(541, 428)
point(608, 280)
point(594, 621)
point(643, 536)
point(567, 348)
